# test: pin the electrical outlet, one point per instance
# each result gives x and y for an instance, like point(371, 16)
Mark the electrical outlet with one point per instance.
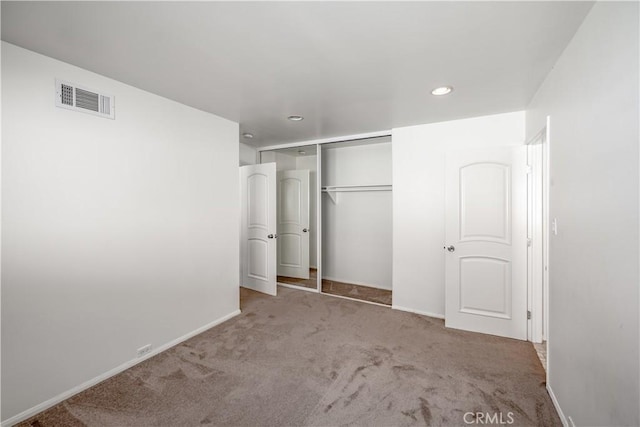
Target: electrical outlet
point(144, 350)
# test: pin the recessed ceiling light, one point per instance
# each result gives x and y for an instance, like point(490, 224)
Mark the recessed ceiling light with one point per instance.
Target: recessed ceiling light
point(444, 90)
point(295, 118)
point(247, 135)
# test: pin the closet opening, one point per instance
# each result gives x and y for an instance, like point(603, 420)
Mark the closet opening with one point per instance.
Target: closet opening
point(334, 218)
point(357, 220)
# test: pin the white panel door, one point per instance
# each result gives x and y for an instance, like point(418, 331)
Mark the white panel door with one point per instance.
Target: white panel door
point(486, 288)
point(258, 227)
point(293, 223)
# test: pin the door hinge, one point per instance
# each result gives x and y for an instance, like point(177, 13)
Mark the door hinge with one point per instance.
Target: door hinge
point(528, 242)
point(528, 314)
point(528, 169)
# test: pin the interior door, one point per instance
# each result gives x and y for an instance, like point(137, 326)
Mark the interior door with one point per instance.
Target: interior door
point(293, 224)
point(486, 246)
point(258, 227)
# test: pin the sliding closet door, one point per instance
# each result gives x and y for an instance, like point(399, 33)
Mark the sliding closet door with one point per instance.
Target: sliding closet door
point(296, 215)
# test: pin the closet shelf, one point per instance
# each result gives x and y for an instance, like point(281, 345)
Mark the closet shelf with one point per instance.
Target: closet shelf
point(331, 190)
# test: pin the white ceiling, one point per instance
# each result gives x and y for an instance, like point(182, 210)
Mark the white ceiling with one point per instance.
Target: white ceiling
point(347, 67)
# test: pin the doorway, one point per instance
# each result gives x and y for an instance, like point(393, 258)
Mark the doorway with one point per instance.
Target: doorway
point(538, 240)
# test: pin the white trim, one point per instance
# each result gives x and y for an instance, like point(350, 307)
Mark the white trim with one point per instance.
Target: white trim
point(319, 217)
point(563, 419)
point(344, 138)
point(548, 236)
point(110, 373)
point(355, 299)
point(354, 282)
point(538, 233)
point(300, 288)
point(547, 233)
point(423, 313)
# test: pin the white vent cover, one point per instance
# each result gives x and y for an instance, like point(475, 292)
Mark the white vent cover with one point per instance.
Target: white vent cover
point(78, 98)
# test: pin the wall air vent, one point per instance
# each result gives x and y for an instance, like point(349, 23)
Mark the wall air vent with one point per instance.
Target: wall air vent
point(78, 98)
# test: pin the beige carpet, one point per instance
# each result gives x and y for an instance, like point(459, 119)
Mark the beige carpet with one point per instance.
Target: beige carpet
point(307, 359)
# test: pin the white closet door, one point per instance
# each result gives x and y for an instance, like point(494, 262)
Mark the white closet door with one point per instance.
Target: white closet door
point(258, 245)
point(486, 288)
point(293, 223)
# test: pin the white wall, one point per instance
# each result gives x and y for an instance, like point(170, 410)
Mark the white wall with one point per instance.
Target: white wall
point(418, 201)
point(356, 231)
point(248, 155)
point(592, 98)
point(310, 163)
point(116, 233)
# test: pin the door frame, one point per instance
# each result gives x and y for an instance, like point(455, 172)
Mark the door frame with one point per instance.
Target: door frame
point(538, 290)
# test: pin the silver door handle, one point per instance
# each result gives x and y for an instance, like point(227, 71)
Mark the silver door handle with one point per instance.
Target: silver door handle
point(451, 248)
point(304, 230)
point(272, 236)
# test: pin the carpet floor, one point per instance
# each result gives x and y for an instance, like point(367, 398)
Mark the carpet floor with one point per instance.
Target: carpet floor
point(305, 359)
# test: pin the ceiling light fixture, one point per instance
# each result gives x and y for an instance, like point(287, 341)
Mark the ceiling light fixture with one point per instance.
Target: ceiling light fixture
point(247, 135)
point(295, 118)
point(302, 153)
point(444, 90)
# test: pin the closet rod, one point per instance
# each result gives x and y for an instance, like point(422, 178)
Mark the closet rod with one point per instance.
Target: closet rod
point(356, 187)
point(331, 190)
point(353, 190)
point(356, 190)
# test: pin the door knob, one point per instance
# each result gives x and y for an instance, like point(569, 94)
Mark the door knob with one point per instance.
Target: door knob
point(304, 230)
point(272, 236)
point(451, 248)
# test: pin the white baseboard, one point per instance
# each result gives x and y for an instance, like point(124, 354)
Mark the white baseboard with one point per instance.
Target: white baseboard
point(354, 282)
point(565, 423)
point(423, 313)
point(87, 384)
